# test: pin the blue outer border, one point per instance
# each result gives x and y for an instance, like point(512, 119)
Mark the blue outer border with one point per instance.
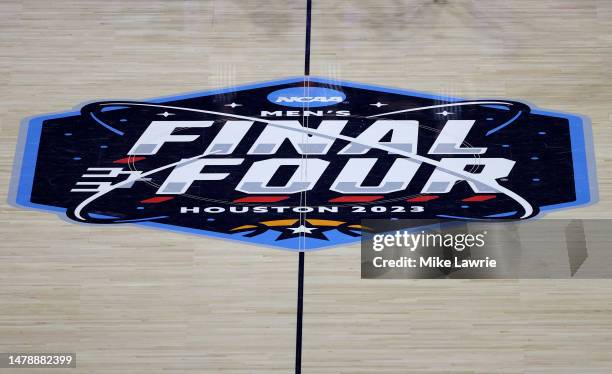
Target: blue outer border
point(30, 131)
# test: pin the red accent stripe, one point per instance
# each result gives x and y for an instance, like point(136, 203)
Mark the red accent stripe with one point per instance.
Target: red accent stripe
point(422, 199)
point(355, 199)
point(261, 199)
point(127, 160)
point(477, 198)
point(155, 200)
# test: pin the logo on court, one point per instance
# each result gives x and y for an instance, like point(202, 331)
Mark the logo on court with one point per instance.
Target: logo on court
point(298, 164)
point(306, 97)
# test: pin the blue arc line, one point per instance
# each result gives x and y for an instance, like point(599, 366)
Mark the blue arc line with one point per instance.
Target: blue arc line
point(107, 126)
point(501, 215)
point(141, 219)
point(458, 217)
point(504, 124)
point(110, 108)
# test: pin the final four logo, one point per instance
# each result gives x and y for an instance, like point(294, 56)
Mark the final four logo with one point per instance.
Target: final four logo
point(299, 163)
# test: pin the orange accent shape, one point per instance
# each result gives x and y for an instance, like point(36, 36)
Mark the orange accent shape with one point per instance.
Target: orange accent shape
point(155, 200)
point(127, 160)
point(478, 198)
point(323, 222)
point(279, 222)
point(422, 199)
point(243, 227)
point(360, 227)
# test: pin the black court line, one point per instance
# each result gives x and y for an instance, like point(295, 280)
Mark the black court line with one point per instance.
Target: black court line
point(300, 288)
point(300, 314)
point(307, 47)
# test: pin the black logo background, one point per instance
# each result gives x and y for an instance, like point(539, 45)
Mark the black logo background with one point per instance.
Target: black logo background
point(540, 144)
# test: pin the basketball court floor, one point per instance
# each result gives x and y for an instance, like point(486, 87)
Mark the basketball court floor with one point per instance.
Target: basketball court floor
point(128, 299)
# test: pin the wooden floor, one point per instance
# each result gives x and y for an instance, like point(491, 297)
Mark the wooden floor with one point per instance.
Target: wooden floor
point(132, 300)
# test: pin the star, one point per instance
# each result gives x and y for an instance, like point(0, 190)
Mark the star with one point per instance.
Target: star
point(378, 104)
point(445, 113)
point(301, 229)
point(233, 105)
point(165, 114)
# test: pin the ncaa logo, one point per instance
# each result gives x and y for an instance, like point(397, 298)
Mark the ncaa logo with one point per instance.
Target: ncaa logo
point(299, 163)
point(299, 97)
